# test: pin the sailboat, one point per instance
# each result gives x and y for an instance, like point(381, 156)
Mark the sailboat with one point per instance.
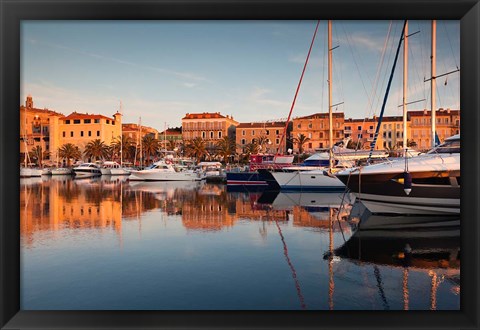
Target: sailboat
point(26, 171)
point(425, 184)
point(322, 178)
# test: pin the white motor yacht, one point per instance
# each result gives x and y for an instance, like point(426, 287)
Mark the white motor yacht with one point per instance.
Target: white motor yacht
point(432, 185)
point(161, 171)
point(115, 168)
point(86, 170)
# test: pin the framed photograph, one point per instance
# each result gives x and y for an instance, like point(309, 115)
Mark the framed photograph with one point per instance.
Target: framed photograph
point(239, 164)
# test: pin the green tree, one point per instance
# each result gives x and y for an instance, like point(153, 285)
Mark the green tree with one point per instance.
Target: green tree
point(150, 147)
point(171, 144)
point(196, 148)
point(251, 148)
point(125, 145)
point(38, 155)
point(300, 140)
point(225, 147)
point(69, 151)
point(96, 149)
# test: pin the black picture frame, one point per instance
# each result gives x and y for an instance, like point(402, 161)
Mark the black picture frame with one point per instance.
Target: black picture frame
point(13, 12)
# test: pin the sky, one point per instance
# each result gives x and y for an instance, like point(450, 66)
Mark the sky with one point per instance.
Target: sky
point(160, 70)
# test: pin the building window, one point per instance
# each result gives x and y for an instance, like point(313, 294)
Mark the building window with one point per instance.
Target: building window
point(96, 121)
point(243, 132)
point(98, 133)
point(337, 125)
point(310, 125)
point(277, 141)
point(371, 127)
point(371, 136)
point(321, 135)
point(299, 126)
point(320, 145)
point(253, 132)
point(81, 133)
point(219, 135)
point(243, 141)
point(211, 135)
point(267, 132)
point(76, 121)
point(203, 135)
point(384, 135)
point(67, 121)
point(63, 134)
point(71, 134)
point(113, 122)
point(277, 132)
point(310, 146)
point(359, 136)
point(359, 128)
point(108, 121)
point(348, 128)
point(87, 121)
point(398, 126)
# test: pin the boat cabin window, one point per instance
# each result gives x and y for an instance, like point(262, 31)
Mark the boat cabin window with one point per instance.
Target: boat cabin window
point(448, 147)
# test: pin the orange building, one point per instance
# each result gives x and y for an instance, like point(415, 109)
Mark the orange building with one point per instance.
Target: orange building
point(209, 126)
point(268, 133)
point(316, 128)
point(133, 131)
point(38, 127)
point(447, 124)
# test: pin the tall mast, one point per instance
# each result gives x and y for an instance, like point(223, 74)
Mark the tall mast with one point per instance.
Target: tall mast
point(140, 139)
point(405, 82)
point(121, 137)
point(433, 80)
point(330, 115)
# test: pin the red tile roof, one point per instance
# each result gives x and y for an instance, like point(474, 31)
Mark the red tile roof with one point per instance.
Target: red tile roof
point(205, 115)
point(277, 124)
point(76, 115)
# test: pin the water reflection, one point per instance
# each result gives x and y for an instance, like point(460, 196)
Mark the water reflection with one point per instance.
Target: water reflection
point(304, 248)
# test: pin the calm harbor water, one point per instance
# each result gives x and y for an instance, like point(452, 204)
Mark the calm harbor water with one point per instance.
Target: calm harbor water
point(113, 244)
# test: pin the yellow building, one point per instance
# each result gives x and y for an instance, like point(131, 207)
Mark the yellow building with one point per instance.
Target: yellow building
point(37, 127)
point(269, 133)
point(211, 127)
point(316, 128)
point(81, 128)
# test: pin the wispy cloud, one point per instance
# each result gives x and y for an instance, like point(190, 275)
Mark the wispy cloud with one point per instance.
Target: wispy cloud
point(183, 75)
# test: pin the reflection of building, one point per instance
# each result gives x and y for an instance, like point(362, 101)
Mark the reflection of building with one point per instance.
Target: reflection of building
point(56, 205)
point(206, 213)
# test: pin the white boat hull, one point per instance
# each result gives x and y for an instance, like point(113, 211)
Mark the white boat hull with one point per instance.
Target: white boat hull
point(163, 176)
point(380, 204)
point(62, 171)
point(307, 180)
point(26, 172)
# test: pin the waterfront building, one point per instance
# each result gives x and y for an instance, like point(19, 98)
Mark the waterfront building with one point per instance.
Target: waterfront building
point(168, 135)
point(38, 127)
point(82, 128)
point(316, 128)
point(209, 126)
point(133, 131)
point(447, 124)
point(360, 131)
point(268, 134)
point(390, 135)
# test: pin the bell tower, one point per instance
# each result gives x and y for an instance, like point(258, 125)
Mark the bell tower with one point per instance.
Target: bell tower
point(29, 102)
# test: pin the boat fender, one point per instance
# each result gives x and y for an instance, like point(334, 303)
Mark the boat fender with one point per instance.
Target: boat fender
point(407, 182)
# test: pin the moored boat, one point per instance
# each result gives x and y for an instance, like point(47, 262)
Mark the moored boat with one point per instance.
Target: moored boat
point(161, 171)
point(86, 170)
point(425, 184)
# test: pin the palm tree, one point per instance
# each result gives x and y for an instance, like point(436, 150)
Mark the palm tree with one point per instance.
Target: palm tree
point(171, 144)
point(96, 149)
point(125, 145)
point(196, 148)
point(225, 147)
point(300, 140)
point(251, 148)
point(69, 151)
point(38, 154)
point(150, 146)
point(411, 143)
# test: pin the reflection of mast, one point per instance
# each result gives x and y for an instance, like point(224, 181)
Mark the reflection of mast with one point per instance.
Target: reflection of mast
point(405, 289)
point(331, 283)
point(433, 291)
point(294, 273)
